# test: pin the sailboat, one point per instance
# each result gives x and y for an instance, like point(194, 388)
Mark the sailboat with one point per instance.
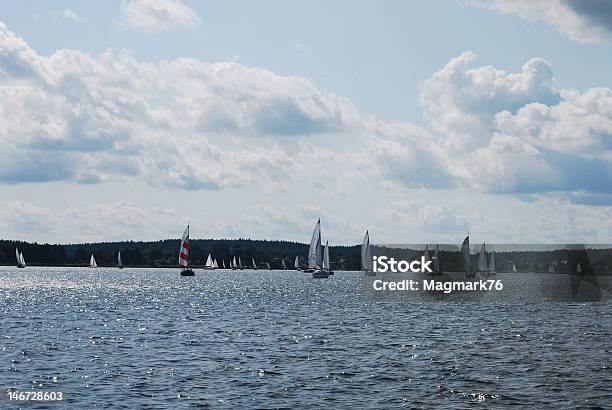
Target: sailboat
point(492, 264)
point(482, 259)
point(467, 263)
point(296, 263)
point(20, 260)
point(284, 264)
point(513, 268)
point(184, 254)
point(315, 256)
point(119, 263)
point(268, 265)
point(253, 263)
point(366, 255)
point(326, 265)
point(209, 263)
point(223, 262)
point(551, 268)
point(240, 264)
point(215, 264)
point(233, 263)
point(578, 268)
point(92, 262)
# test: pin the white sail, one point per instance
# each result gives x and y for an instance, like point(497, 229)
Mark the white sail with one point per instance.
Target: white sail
point(284, 264)
point(234, 265)
point(184, 249)
point(465, 251)
point(482, 258)
point(92, 262)
point(18, 257)
point(268, 266)
point(578, 268)
point(315, 258)
point(436, 260)
point(366, 254)
point(513, 268)
point(209, 262)
point(492, 262)
point(296, 264)
point(119, 263)
point(326, 256)
point(215, 265)
point(223, 261)
point(21, 259)
point(551, 267)
point(239, 263)
point(253, 262)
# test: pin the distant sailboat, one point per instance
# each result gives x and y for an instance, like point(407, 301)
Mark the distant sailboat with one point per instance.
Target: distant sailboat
point(268, 265)
point(296, 263)
point(315, 256)
point(326, 265)
point(184, 254)
point(240, 264)
point(119, 263)
point(513, 268)
point(366, 255)
point(253, 263)
point(223, 262)
point(492, 264)
point(284, 264)
point(215, 264)
point(209, 263)
point(482, 259)
point(551, 267)
point(467, 263)
point(20, 260)
point(578, 268)
point(92, 262)
point(234, 265)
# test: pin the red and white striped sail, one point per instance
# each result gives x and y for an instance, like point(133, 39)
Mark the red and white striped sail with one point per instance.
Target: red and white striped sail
point(184, 251)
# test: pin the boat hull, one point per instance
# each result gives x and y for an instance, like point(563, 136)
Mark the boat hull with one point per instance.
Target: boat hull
point(320, 274)
point(187, 272)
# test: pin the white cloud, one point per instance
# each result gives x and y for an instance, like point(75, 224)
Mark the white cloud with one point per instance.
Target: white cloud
point(586, 21)
point(516, 132)
point(180, 123)
point(152, 16)
point(67, 15)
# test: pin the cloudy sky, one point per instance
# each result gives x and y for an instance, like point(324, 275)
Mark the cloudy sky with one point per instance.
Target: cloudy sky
point(418, 121)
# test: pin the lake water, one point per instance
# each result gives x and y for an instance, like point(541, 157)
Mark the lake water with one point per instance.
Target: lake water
point(148, 338)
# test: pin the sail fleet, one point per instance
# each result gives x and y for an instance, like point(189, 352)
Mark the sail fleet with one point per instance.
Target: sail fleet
point(318, 259)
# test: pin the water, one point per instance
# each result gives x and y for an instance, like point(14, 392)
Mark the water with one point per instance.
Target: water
point(147, 338)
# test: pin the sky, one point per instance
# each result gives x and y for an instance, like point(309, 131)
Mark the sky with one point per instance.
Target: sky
point(420, 121)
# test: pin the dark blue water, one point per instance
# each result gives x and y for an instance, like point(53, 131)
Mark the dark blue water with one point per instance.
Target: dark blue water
point(151, 339)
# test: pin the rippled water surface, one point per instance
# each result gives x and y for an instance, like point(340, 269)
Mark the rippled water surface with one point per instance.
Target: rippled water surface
point(147, 338)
